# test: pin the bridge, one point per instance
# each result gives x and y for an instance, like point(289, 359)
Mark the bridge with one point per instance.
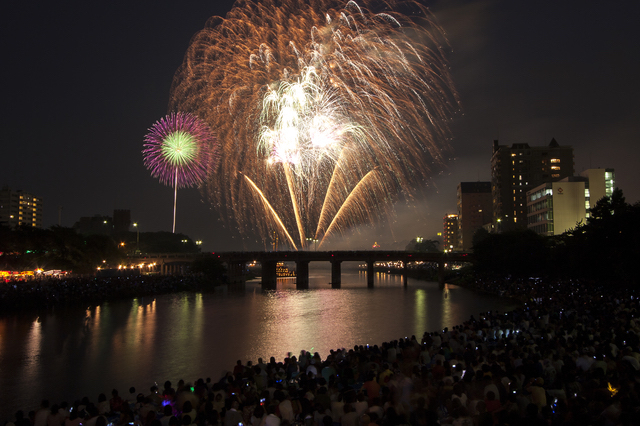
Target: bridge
point(237, 263)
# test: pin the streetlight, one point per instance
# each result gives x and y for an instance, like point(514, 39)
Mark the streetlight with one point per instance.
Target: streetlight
point(315, 243)
point(135, 224)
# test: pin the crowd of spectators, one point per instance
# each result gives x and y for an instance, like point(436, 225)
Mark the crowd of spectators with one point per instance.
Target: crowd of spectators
point(570, 356)
point(49, 292)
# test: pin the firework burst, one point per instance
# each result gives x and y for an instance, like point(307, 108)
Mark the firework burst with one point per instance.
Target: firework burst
point(180, 150)
point(325, 108)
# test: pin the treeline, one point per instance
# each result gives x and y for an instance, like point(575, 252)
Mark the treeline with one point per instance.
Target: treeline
point(28, 248)
point(604, 249)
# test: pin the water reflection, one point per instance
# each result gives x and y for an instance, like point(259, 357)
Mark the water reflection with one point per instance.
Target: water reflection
point(72, 353)
point(447, 312)
point(32, 351)
point(420, 307)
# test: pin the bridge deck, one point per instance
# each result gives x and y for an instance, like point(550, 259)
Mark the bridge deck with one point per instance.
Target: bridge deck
point(236, 262)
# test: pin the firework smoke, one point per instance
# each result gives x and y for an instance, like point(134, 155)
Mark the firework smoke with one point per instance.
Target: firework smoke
point(324, 109)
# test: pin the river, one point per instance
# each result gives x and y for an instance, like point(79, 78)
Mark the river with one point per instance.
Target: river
point(71, 353)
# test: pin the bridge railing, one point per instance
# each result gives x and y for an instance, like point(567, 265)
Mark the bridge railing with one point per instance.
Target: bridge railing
point(337, 255)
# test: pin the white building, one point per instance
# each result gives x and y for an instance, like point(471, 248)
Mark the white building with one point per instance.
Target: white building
point(556, 207)
point(602, 182)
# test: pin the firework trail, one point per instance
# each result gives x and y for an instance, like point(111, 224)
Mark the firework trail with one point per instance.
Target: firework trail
point(309, 97)
point(181, 151)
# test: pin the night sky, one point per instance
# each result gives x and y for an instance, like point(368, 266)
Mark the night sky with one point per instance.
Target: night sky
point(83, 81)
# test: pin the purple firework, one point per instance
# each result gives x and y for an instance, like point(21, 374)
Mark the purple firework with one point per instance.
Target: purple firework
point(180, 149)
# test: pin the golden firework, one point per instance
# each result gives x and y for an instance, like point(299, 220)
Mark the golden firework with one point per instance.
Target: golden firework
point(324, 109)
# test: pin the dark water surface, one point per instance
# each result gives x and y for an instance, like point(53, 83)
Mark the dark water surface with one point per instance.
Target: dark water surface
point(72, 353)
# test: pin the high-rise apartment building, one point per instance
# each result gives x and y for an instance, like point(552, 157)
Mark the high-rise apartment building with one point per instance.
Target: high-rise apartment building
point(19, 208)
point(450, 232)
point(474, 210)
point(556, 207)
point(519, 168)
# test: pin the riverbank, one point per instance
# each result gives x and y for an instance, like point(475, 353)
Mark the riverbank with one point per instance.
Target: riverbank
point(37, 294)
point(518, 289)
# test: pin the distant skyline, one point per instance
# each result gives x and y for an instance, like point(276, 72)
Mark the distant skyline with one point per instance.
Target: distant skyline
point(83, 82)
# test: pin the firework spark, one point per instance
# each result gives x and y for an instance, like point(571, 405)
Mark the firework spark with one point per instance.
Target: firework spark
point(325, 108)
point(180, 150)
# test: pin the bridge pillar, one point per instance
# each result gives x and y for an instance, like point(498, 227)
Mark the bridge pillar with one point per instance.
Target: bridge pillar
point(236, 272)
point(269, 277)
point(336, 274)
point(370, 273)
point(441, 273)
point(302, 274)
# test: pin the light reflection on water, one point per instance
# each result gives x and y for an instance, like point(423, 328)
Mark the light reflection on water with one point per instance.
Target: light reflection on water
point(67, 355)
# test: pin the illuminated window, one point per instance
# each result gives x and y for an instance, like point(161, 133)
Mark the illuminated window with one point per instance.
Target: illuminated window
point(555, 175)
point(555, 160)
point(555, 167)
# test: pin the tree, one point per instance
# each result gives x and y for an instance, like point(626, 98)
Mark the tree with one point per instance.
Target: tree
point(608, 206)
point(605, 248)
point(517, 253)
point(166, 242)
point(421, 245)
point(479, 236)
